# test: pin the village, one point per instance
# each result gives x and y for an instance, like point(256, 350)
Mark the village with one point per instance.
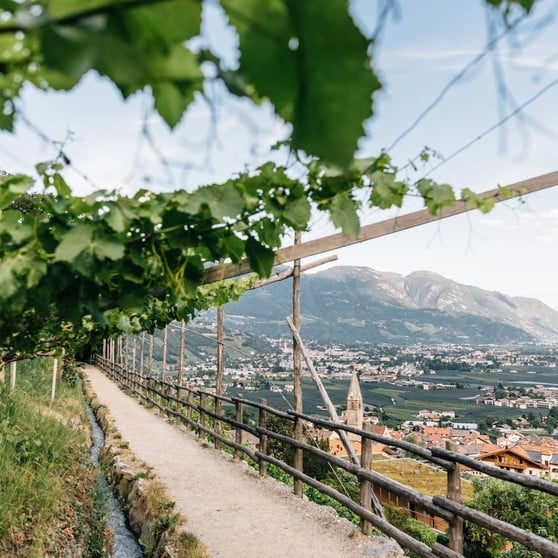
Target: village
point(522, 443)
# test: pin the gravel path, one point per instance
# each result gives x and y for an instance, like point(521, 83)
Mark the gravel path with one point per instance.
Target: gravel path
point(233, 511)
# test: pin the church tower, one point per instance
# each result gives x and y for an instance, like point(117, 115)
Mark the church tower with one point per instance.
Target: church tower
point(355, 412)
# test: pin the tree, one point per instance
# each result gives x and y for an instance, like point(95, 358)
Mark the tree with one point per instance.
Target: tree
point(107, 263)
point(525, 508)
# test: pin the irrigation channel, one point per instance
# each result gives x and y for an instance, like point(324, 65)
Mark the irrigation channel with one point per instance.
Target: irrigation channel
point(125, 544)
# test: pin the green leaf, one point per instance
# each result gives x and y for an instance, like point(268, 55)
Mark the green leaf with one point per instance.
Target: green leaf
point(228, 203)
point(115, 219)
point(315, 54)
point(260, 257)
point(235, 247)
point(297, 213)
point(386, 191)
point(107, 247)
point(169, 103)
point(62, 188)
point(16, 225)
point(436, 196)
point(74, 242)
point(343, 211)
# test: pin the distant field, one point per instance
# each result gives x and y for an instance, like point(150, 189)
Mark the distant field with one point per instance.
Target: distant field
point(403, 403)
point(419, 476)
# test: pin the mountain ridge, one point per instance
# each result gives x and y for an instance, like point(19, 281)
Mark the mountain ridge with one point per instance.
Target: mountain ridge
point(345, 303)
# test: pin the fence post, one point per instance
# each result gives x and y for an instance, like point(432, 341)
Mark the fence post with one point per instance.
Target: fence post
point(201, 433)
point(365, 484)
point(189, 403)
point(262, 422)
point(217, 425)
point(180, 404)
point(54, 378)
point(238, 433)
point(13, 373)
point(455, 530)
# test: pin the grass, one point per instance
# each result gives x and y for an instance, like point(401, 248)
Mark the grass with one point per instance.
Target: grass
point(47, 483)
point(419, 476)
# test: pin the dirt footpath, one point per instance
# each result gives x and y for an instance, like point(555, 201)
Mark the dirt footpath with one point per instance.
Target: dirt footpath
point(233, 511)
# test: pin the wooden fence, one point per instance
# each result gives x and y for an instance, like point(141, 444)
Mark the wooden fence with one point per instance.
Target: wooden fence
point(205, 414)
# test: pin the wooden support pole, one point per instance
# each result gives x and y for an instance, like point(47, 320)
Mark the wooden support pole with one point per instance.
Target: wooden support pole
point(13, 373)
point(262, 422)
point(289, 272)
point(181, 353)
point(331, 410)
point(383, 228)
point(365, 484)
point(297, 373)
point(104, 353)
point(455, 531)
point(165, 343)
point(238, 433)
point(2, 376)
point(220, 369)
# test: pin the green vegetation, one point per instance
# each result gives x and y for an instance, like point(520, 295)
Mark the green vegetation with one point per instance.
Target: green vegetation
point(49, 503)
point(401, 518)
point(528, 509)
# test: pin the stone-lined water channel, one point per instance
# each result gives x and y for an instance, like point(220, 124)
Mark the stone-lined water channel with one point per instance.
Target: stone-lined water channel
point(125, 544)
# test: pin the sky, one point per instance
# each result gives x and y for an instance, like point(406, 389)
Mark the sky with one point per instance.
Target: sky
point(422, 46)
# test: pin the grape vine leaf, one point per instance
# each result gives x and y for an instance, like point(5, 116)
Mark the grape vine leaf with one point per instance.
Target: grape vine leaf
point(311, 70)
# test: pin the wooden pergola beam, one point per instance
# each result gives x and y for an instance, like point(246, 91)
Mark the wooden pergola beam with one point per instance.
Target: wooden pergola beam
point(383, 228)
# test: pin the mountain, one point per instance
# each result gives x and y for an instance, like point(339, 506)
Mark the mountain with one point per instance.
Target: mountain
point(361, 304)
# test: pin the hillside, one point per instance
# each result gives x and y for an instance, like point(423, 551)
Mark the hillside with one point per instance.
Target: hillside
point(358, 303)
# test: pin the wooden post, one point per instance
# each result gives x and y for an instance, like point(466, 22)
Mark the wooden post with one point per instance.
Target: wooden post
point(54, 377)
point(331, 410)
point(239, 431)
point(2, 376)
point(142, 353)
point(181, 352)
point(104, 353)
point(365, 484)
point(165, 342)
point(189, 403)
point(220, 369)
point(150, 357)
point(126, 351)
point(455, 530)
point(120, 352)
point(297, 372)
point(134, 353)
point(201, 433)
point(13, 372)
point(263, 439)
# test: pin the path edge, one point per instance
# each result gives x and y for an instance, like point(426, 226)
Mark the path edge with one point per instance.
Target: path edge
point(149, 510)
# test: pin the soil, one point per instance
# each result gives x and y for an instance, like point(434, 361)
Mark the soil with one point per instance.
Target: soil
point(228, 506)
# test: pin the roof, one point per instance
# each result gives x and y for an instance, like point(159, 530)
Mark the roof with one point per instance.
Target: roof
point(516, 450)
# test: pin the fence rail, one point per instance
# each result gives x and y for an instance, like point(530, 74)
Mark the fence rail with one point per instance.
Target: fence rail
point(204, 413)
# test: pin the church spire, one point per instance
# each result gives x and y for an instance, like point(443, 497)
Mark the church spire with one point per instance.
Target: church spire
point(354, 413)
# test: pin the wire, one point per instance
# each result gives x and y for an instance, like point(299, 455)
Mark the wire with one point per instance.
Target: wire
point(453, 81)
point(510, 115)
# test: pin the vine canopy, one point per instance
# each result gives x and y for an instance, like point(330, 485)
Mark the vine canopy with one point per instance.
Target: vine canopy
point(72, 266)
